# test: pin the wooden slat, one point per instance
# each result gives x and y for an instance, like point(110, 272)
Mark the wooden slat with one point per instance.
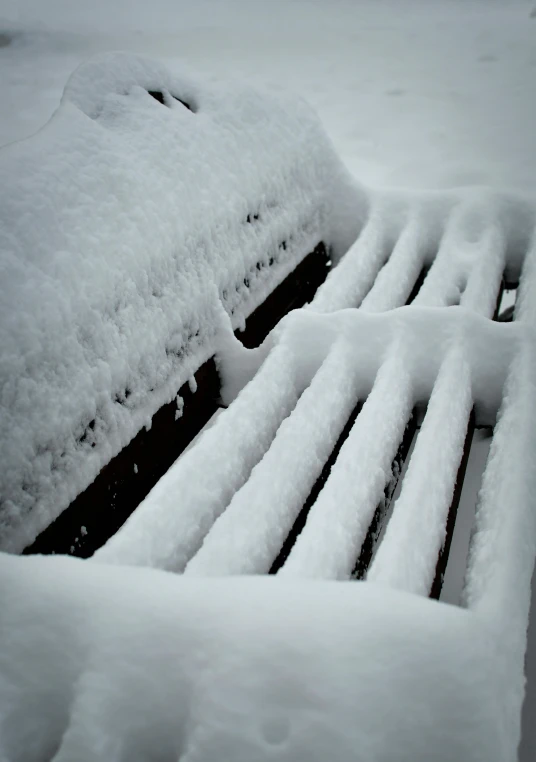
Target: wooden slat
point(317, 488)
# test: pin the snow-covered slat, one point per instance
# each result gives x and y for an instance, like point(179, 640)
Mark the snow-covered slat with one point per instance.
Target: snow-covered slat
point(338, 522)
point(484, 281)
point(249, 534)
point(168, 527)
point(396, 279)
point(470, 259)
point(407, 557)
point(349, 282)
point(167, 203)
point(441, 287)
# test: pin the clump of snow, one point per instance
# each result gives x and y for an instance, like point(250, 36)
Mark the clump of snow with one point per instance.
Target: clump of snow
point(129, 217)
point(119, 664)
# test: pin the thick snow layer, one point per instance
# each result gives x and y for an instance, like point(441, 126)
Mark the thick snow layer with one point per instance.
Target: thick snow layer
point(126, 221)
point(452, 359)
point(125, 665)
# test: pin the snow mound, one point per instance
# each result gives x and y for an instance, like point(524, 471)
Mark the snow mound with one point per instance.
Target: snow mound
point(102, 663)
point(147, 199)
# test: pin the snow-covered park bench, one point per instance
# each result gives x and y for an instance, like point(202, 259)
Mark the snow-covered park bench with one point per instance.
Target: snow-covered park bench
point(245, 633)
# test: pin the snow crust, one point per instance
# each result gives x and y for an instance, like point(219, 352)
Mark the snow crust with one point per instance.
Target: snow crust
point(130, 664)
point(126, 223)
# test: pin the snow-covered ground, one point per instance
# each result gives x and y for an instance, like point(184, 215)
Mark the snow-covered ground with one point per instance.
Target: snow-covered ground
point(424, 92)
point(427, 93)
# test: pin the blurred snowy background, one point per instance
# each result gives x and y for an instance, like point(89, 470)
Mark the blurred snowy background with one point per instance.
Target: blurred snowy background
point(414, 93)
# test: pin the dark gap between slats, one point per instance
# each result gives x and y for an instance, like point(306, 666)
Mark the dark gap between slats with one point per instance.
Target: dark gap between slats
point(315, 491)
point(158, 95)
point(442, 560)
point(506, 302)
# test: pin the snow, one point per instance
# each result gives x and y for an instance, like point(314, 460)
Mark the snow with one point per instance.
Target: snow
point(528, 735)
point(438, 95)
point(99, 662)
point(117, 249)
point(525, 309)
